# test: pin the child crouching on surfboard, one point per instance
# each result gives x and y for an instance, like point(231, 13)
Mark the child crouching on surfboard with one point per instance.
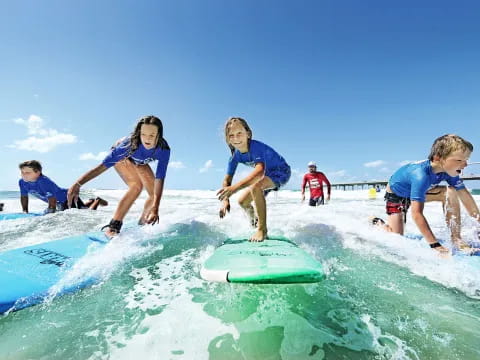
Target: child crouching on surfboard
point(416, 183)
point(270, 172)
point(35, 183)
point(130, 157)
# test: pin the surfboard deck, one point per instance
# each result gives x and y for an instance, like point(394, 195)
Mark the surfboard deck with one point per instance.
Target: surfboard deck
point(27, 274)
point(12, 216)
point(273, 261)
point(455, 252)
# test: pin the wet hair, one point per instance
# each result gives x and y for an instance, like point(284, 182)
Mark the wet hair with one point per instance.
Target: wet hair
point(148, 120)
point(232, 120)
point(34, 164)
point(447, 144)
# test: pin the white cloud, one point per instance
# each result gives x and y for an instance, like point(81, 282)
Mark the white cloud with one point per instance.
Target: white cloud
point(404, 162)
point(40, 139)
point(91, 156)
point(339, 173)
point(373, 164)
point(45, 143)
point(208, 165)
point(176, 165)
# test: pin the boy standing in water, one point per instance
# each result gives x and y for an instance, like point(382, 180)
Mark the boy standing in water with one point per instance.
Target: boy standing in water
point(270, 172)
point(416, 183)
point(35, 183)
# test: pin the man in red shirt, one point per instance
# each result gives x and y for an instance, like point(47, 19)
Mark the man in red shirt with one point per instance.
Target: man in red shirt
point(315, 180)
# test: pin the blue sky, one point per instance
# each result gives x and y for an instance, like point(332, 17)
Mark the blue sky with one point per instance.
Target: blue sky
point(357, 86)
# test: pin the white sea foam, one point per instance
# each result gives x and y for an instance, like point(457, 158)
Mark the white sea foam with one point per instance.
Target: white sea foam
point(341, 223)
point(346, 215)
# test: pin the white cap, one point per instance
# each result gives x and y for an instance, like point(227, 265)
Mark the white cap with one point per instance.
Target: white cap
point(312, 163)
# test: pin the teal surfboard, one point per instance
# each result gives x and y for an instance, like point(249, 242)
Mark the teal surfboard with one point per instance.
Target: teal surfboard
point(273, 261)
point(27, 274)
point(12, 216)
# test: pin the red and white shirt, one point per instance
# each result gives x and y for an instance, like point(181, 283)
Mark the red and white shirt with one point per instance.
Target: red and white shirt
point(315, 183)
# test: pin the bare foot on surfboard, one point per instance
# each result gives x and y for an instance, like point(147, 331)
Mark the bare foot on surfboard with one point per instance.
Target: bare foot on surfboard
point(259, 236)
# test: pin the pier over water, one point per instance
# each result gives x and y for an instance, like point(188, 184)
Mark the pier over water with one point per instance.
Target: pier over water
point(381, 183)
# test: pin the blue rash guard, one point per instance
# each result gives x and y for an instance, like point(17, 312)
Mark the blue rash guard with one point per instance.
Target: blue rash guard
point(141, 156)
point(276, 168)
point(43, 188)
point(413, 180)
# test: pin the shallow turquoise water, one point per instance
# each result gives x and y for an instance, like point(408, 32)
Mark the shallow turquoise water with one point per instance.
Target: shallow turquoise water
point(384, 297)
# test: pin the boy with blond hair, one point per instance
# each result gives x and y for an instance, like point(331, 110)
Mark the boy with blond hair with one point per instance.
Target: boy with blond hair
point(416, 183)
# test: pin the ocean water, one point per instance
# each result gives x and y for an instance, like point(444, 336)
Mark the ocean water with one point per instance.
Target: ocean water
point(385, 296)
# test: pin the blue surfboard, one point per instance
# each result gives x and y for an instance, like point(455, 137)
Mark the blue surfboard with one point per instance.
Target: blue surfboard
point(12, 216)
point(455, 251)
point(27, 274)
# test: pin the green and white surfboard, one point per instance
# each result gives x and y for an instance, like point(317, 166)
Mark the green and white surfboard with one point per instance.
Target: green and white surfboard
point(273, 261)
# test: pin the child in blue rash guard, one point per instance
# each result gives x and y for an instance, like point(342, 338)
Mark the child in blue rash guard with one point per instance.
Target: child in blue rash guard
point(416, 183)
point(270, 172)
point(130, 157)
point(35, 183)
